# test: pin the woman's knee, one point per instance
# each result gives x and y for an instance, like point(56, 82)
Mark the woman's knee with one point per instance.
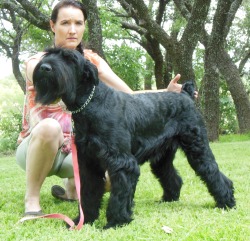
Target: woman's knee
point(48, 130)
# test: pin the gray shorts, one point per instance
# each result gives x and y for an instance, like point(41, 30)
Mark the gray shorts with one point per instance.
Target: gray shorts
point(62, 166)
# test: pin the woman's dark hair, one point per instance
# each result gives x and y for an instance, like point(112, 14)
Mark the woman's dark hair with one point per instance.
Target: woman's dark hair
point(69, 3)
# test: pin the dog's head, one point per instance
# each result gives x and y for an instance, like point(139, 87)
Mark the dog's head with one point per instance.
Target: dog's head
point(59, 75)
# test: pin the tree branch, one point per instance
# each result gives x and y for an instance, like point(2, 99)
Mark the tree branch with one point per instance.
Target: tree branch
point(195, 23)
point(183, 9)
point(219, 30)
point(133, 27)
point(129, 9)
point(31, 8)
point(6, 48)
point(243, 61)
point(161, 10)
point(28, 12)
point(231, 15)
point(145, 20)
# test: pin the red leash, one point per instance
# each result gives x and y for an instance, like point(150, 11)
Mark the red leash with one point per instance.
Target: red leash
point(78, 186)
point(77, 181)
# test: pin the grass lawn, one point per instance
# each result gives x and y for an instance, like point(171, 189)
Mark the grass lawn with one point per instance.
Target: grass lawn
point(192, 218)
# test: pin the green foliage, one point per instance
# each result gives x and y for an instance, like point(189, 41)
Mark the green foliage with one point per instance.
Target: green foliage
point(228, 119)
point(125, 62)
point(36, 39)
point(111, 26)
point(11, 100)
point(123, 55)
point(10, 127)
point(179, 23)
point(193, 217)
point(198, 63)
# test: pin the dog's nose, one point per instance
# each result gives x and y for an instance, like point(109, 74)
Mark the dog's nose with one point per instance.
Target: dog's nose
point(46, 67)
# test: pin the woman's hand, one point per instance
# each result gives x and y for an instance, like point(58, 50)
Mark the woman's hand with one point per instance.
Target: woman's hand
point(175, 87)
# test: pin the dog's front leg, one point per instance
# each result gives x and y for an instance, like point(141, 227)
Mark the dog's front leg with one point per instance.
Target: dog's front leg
point(92, 190)
point(124, 173)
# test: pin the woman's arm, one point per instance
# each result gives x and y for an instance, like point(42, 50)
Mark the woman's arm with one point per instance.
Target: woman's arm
point(173, 86)
point(107, 75)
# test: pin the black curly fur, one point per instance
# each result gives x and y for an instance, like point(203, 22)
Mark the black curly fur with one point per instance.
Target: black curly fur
point(118, 132)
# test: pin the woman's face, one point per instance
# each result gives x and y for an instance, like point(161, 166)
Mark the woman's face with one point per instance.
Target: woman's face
point(69, 27)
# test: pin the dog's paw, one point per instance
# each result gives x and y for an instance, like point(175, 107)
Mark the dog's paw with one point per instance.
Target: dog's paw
point(108, 226)
point(230, 204)
point(171, 197)
point(116, 225)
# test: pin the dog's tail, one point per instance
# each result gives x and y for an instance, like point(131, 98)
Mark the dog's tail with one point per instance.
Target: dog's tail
point(188, 88)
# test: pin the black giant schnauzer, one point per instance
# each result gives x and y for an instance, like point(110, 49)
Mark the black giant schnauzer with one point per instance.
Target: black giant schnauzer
point(118, 132)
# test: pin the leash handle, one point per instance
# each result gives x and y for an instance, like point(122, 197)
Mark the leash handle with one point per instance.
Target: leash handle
point(52, 215)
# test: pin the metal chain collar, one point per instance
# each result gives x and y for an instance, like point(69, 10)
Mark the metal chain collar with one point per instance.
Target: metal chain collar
point(86, 102)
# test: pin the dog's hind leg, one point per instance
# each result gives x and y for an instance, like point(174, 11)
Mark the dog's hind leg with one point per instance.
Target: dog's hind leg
point(195, 144)
point(124, 173)
point(164, 171)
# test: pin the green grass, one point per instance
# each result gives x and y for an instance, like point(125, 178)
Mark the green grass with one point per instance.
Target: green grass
point(235, 137)
point(192, 218)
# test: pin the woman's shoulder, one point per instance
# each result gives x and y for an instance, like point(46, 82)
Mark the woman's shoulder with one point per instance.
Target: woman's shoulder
point(36, 56)
point(31, 63)
point(92, 56)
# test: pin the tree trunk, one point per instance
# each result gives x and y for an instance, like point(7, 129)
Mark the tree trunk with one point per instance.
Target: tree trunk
point(211, 95)
point(94, 27)
point(168, 70)
point(148, 75)
point(182, 62)
point(17, 73)
point(237, 90)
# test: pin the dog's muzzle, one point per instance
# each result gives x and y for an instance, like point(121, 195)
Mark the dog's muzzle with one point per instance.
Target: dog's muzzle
point(46, 68)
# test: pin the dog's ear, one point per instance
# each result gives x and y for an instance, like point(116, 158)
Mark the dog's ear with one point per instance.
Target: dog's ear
point(90, 72)
point(188, 88)
point(71, 55)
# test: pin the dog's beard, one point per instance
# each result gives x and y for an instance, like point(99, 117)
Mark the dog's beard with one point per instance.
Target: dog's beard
point(46, 92)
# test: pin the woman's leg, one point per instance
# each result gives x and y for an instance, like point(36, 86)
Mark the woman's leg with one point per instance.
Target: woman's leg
point(45, 141)
point(66, 172)
point(70, 188)
point(46, 138)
